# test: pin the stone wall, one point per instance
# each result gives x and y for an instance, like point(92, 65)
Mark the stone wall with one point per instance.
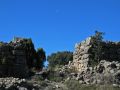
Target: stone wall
point(82, 55)
point(13, 58)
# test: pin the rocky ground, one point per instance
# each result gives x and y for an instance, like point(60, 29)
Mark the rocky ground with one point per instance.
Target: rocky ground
point(104, 76)
point(69, 84)
point(36, 84)
point(27, 84)
point(10, 83)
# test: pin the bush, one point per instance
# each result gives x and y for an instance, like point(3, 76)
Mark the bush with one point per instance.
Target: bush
point(96, 49)
point(59, 58)
point(40, 58)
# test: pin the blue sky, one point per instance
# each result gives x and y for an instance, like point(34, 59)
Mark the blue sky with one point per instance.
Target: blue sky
point(56, 25)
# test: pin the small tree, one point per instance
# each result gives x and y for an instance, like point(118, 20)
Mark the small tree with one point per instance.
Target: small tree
point(60, 58)
point(41, 57)
point(96, 47)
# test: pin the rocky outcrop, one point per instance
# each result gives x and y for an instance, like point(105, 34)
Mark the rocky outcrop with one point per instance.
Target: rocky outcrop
point(84, 53)
point(81, 55)
point(107, 69)
point(15, 57)
point(10, 83)
point(104, 73)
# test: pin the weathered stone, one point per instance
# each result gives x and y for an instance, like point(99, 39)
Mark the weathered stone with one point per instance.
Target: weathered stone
point(19, 52)
point(85, 56)
point(14, 57)
point(108, 68)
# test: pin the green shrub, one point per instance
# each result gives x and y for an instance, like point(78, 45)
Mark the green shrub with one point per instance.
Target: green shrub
point(96, 49)
point(59, 58)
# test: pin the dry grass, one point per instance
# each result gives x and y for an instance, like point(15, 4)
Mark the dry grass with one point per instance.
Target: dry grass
point(74, 85)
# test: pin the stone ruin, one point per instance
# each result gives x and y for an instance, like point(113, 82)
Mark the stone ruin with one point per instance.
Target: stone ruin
point(13, 58)
point(107, 70)
point(82, 55)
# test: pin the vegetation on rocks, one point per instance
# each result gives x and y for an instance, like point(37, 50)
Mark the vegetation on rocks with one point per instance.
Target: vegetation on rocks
point(93, 66)
point(96, 49)
point(59, 59)
point(40, 58)
point(18, 57)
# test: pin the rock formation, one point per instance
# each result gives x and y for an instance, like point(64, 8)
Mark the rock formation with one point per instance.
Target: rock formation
point(82, 55)
point(107, 70)
point(11, 83)
point(15, 57)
